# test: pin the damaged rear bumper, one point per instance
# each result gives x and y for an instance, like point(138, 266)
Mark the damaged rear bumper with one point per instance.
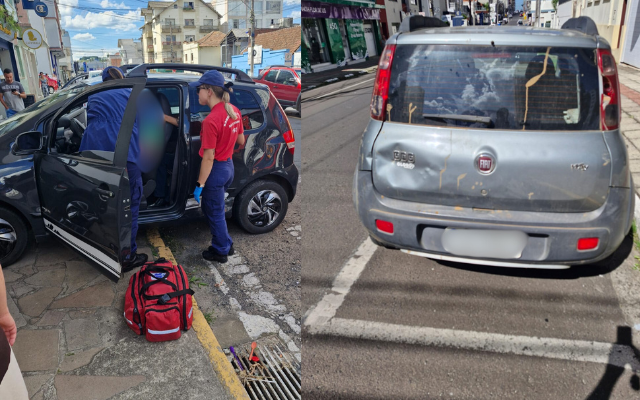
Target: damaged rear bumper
point(551, 237)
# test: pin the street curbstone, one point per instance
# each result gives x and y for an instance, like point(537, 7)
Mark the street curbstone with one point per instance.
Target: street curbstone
point(221, 365)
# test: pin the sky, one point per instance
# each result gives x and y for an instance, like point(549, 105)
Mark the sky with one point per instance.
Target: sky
point(96, 25)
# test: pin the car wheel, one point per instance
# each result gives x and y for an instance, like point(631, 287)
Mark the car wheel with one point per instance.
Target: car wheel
point(299, 107)
point(261, 207)
point(14, 237)
point(51, 90)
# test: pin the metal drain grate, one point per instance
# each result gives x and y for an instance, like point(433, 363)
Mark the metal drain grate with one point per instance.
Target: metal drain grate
point(275, 376)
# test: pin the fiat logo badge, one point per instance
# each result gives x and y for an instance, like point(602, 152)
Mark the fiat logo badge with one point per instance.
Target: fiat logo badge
point(485, 163)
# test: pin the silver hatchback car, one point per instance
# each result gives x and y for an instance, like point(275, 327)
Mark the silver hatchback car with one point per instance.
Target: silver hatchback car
point(497, 146)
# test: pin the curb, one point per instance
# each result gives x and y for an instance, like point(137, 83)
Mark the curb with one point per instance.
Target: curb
point(219, 362)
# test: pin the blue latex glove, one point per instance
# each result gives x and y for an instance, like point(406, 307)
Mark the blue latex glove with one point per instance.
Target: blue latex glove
point(197, 193)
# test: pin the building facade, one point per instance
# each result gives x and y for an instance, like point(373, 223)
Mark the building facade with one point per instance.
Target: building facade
point(130, 51)
point(66, 63)
point(169, 24)
point(337, 32)
point(394, 12)
point(54, 35)
point(207, 51)
point(235, 13)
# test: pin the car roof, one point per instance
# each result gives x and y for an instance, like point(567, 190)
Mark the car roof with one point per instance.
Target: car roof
point(501, 36)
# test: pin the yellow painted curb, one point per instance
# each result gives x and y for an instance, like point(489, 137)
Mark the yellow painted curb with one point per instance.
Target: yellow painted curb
point(221, 365)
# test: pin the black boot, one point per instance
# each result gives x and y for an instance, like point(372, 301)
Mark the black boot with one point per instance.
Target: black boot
point(211, 255)
point(230, 253)
point(135, 261)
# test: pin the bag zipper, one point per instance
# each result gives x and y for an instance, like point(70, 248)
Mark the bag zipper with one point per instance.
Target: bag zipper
point(184, 299)
point(135, 304)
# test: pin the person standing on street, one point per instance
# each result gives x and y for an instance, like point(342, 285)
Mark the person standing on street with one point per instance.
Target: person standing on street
point(11, 94)
point(12, 384)
point(221, 130)
point(44, 85)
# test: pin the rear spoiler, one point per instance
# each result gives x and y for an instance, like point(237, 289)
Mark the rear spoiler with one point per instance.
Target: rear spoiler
point(581, 24)
point(417, 22)
point(140, 71)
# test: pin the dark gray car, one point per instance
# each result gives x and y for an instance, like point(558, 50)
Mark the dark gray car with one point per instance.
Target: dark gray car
point(497, 146)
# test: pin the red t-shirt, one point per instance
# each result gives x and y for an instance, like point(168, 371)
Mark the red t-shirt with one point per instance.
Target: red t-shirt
point(220, 132)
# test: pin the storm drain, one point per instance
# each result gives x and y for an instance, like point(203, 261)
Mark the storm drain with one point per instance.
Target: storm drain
point(275, 376)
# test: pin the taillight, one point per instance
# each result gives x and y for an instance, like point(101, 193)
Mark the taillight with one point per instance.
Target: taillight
point(290, 140)
point(384, 226)
point(381, 87)
point(610, 96)
point(588, 243)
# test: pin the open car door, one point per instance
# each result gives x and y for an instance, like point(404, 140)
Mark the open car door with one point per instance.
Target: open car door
point(85, 195)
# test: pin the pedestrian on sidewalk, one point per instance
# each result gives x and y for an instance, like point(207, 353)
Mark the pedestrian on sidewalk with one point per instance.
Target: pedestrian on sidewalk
point(44, 85)
point(11, 94)
point(12, 384)
point(221, 130)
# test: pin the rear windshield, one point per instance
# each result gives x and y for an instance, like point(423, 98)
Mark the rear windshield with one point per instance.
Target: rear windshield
point(486, 87)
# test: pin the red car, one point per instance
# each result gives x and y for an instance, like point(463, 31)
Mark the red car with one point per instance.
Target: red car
point(52, 83)
point(285, 84)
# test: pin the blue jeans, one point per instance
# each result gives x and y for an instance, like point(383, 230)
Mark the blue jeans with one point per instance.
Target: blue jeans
point(10, 113)
point(217, 184)
point(135, 186)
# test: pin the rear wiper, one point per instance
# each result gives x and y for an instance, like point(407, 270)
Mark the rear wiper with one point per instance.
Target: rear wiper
point(469, 118)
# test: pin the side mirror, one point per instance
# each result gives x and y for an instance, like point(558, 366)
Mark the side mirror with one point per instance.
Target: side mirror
point(27, 143)
point(64, 122)
point(292, 80)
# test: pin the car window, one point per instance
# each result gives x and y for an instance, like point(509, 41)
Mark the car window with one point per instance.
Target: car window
point(486, 87)
point(271, 75)
point(245, 100)
point(284, 77)
point(173, 95)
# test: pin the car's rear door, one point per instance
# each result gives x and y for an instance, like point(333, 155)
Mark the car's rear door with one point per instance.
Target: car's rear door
point(85, 196)
point(472, 126)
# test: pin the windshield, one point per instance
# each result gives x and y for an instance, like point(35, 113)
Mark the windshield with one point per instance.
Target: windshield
point(522, 88)
point(36, 108)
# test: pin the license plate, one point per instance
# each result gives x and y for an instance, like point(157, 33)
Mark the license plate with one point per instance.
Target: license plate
point(484, 243)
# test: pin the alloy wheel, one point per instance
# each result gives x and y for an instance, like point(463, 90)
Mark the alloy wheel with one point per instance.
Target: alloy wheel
point(264, 208)
point(8, 238)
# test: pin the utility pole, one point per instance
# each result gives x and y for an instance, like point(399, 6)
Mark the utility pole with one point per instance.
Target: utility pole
point(253, 34)
point(171, 39)
point(538, 4)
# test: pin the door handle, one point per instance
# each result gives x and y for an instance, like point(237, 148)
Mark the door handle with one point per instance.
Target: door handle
point(104, 192)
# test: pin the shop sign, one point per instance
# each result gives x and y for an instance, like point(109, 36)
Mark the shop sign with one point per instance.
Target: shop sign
point(32, 38)
point(334, 37)
point(355, 35)
point(322, 10)
point(41, 9)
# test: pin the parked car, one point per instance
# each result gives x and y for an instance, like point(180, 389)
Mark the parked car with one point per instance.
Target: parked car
point(49, 188)
point(285, 84)
point(52, 83)
point(496, 146)
point(71, 82)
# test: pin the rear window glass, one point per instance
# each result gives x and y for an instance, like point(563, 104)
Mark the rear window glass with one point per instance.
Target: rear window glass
point(252, 115)
point(486, 87)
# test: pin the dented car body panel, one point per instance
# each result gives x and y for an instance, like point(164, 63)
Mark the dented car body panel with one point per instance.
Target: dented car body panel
point(434, 165)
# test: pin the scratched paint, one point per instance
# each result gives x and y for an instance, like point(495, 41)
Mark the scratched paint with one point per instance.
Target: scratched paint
point(444, 169)
point(461, 177)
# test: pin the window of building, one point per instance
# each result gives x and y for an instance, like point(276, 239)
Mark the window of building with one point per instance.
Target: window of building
point(188, 5)
point(190, 38)
point(175, 6)
point(257, 7)
point(189, 22)
point(207, 22)
point(191, 56)
point(258, 23)
point(169, 21)
point(154, 40)
point(237, 7)
point(236, 23)
point(273, 7)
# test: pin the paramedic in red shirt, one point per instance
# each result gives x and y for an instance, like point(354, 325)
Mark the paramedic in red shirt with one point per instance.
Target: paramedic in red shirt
point(221, 130)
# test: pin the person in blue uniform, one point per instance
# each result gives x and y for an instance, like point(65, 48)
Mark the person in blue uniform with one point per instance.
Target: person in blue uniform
point(105, 111)
point(221, 130)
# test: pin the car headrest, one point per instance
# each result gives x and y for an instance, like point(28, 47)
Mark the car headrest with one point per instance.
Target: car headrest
point(164, 103)
point(536, 65)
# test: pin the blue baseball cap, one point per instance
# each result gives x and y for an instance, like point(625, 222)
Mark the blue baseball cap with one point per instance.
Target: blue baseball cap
point(106, 76)
point(212, 78)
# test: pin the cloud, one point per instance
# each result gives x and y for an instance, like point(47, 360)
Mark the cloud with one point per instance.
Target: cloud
point(108, 4)
point(291, 2)
point(121, 22)
point(64, 10)
point(295, 14)
point(83, 36)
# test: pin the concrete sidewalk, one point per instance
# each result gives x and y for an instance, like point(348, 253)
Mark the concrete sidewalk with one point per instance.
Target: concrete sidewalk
point(317, 79)
point(630, 124)
point(73, 342)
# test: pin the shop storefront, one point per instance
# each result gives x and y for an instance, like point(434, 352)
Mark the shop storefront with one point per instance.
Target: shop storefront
point(337, 33)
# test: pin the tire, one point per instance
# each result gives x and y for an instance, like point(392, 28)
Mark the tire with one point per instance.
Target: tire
point(262, 221)
point(11, 225)
point(299, 107)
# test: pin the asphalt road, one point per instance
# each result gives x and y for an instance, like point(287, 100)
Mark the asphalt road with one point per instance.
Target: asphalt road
point(257, 292)
point(413, 328)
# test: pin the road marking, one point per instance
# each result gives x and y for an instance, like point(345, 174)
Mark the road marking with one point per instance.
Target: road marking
point(338, 91)
point(350, 272)
point(561, 349)
point(221, 365)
